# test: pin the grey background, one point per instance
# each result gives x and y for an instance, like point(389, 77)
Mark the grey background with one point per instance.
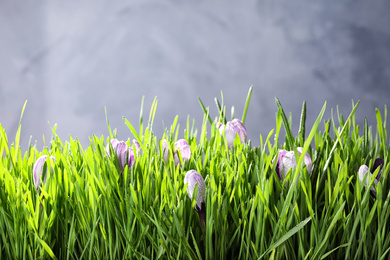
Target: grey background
point(71, 59)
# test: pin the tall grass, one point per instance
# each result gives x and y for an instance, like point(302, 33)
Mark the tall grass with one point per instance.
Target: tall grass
point(89, 209)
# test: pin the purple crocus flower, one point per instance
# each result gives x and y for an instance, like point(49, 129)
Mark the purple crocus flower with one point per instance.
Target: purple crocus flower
point(192, 178)
point(364, 172)
point(231, 129)
point(182, 146)
point(38, 169)
point(286, 161)
point(124, 153)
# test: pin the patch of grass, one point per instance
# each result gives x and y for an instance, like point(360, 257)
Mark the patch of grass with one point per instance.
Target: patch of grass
point(89, 209)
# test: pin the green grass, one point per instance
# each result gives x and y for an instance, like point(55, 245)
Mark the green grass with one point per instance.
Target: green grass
point(89, 210)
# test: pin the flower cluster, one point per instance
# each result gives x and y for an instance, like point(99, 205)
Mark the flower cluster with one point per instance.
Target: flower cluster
point(182, 147)
point(182, 154)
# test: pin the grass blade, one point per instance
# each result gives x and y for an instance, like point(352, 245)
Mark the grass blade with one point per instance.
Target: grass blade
point(301, 132)
point(205, 110)
point(248, 98)
point(290, 138)
point(286, 236)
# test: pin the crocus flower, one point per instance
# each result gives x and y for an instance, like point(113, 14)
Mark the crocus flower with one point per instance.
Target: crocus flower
point(124, 153)
point(38, 169)
point(182, 146)
point(192, 178)
point(286, 160)
point(364, 172)
point(231, 129)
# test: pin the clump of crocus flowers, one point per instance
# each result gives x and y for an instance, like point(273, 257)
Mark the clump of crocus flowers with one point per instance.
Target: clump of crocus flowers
point(38, 171)
point(193, 178)
point(180, 146)
point(124, 153)
point(286, 161)
point(364, 172)
point(231, 129)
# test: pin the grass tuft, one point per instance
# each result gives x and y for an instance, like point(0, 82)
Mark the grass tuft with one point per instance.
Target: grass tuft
point(91, 209)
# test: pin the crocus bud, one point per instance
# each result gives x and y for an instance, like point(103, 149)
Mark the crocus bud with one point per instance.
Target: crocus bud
point(124, 153)
point(182, 146)
point(192, 178)
point(38, 169)
point(231, 129)
point(364, 172)
point(137, 146)
point(286, 160)
point(185, 151)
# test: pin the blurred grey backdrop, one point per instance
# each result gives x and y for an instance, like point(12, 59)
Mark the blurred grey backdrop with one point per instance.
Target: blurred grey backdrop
point(71, 59)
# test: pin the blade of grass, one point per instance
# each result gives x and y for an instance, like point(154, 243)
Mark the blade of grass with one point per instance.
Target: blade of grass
point(328, 233)
point(152, 112)
point(248, 98)
point(130, 126)
point(17, 137)
point(334, 249)
point(289, 135)
point(108, 124)
point(205, 110)
point(220, 111)
point(286, 236)
point(301, 132)
point(341, 132)
point(141, 119)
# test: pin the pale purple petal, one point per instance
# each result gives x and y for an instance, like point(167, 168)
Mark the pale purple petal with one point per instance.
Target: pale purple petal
point(231, 129)
point(137, 146)
point(121, 152)
point(124, 153)
point(308, 162)
point(286, 161)
point(364, 172)
point(180, 143)
point(279, 164)
point(38, 169)
point(241, 129)
point(192, 177)
point(114, 143)
point(230, 132)
point(165, 150)
point(185, 151)
point(131, 161)
point(220, 127)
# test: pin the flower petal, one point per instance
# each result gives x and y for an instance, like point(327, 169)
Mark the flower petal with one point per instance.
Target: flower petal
point(121, 152)
point(114, 143)
point(192, 177)
point(38, 170)
point(364, 172)
point(378, 163)
point(308, 162)
point(278, 168)
point(185, 151)
point(165, 150)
